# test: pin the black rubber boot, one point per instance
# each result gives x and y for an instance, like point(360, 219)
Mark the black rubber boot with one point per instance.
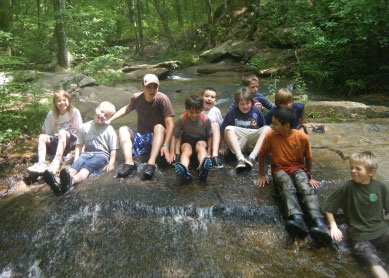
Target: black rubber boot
point(320, 232)
point(296, 225)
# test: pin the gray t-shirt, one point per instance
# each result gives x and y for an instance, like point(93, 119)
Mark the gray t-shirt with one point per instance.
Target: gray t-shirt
point(214, 115)
point(195, 130)
point(98, 138)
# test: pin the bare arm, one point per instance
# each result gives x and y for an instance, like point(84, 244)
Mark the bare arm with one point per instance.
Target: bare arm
point(336, 234)
point(209, 149)
point(262, 179)
point(308, 165)
point(111, 163)
point(120, 113)
point(78, 151)
point(173, 148)
point(169, 123)
point(222, 149)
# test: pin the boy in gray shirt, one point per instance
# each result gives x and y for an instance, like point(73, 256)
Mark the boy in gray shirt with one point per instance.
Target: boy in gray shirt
point(100, 143)
point(195, 131)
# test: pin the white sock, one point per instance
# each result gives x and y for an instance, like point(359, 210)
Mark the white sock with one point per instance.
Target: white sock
point(240, 157)
point(252, 156)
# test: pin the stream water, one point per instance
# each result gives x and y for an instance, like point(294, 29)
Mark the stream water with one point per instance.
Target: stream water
point(108, 227)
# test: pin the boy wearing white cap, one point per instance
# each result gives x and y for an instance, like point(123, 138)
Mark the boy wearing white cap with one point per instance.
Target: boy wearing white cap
point(154, 129)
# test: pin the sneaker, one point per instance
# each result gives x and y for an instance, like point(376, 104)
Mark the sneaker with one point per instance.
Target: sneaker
point(183, 172)
point(216, 162)
point(66, 180)
point(249, 163)
point(149, 172)
point(204, 168)
point(37, 169)
point(296, 225)
point(241, 166)
point(53, 167)
point(49, 178)
point(125, 170)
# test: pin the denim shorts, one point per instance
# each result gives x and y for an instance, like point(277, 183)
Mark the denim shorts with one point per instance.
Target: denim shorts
point(52, 146)
point(93, 162)
point(142, 143)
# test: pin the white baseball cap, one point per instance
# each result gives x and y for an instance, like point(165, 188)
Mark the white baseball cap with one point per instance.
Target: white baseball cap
point(150, 78)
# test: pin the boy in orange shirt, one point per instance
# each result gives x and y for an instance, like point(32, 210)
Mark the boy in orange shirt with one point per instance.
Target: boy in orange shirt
point(291, 166)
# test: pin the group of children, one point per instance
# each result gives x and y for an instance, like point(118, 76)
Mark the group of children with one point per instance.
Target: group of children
point(200, 132)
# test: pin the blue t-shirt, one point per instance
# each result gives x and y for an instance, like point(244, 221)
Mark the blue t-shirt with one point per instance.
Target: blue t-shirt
point(298, 108)
point(252, 119)
point(257, 98)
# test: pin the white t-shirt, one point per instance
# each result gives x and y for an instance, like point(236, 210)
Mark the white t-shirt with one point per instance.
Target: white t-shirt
point(71, 123)
point(214, 115)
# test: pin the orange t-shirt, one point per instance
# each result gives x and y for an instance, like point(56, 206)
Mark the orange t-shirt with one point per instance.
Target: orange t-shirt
point(288, 153)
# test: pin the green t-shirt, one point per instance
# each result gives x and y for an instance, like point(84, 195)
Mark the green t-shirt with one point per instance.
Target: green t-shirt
point(363, 207)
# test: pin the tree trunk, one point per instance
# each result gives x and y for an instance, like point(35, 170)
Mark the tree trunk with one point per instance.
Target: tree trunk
point(208, 5)
point(165, 22)
point(140, 27)
point(63, 54)
point(5, 15)
point(131, 10)
point(179, 14)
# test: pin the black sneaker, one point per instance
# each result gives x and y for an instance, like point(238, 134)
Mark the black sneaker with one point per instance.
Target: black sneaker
point(216, 162)
point(149, 172)
point(204, 168)
point(52, 182)
point(125, 170)
point(66, 180)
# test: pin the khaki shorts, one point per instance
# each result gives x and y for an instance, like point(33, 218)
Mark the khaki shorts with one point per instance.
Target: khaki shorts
point(247, 137)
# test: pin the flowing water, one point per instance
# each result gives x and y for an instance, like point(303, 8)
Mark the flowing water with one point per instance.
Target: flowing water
point(108, 227)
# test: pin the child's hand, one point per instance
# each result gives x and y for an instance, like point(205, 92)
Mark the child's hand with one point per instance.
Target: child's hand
point(222, 151)
point(336, 234)
point(261, 182)
point(109, 167)
point(172, 157)
point(258, 105)
point(314, 183)
point(165, 152)
point(108, 122)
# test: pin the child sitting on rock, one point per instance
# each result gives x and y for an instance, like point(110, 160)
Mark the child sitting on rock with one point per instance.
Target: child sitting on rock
point(195, 131)
point(291, 164)
point(95, 151)
point(59, 133)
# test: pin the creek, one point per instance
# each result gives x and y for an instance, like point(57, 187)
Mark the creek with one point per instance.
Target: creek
point(108, 227)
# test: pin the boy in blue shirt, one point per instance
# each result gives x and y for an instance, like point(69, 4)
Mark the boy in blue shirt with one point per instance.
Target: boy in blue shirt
point(258, 99)
point(284, 99)
point(244, 129)
point(195, 131)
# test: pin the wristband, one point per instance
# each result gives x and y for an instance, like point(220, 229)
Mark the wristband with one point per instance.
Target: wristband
point(165, 145)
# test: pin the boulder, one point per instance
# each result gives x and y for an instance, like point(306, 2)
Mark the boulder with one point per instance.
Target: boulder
point(344, 110)
point(87, 81)
point(238, 49)
point(137, 75)
point(273, 71)
point(226, 65)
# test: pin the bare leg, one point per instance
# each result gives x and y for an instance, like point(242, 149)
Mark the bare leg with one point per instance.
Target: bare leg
point(43, 139)
point(159, 135)
point(63, 140)
point(379, 271)
point(125, 139)
point(201, 149)
point(178, 144)
point(186, 152)
point(258, 145)
point(80, 176)
point(233, 143)
point(215, 138)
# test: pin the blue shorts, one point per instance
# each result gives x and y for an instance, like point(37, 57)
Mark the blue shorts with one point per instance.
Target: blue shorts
point(52, 146)
point(142, 143)
point(93, 162)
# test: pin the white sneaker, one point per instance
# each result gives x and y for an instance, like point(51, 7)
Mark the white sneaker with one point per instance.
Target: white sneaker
point(37, 169)
point(53, 167)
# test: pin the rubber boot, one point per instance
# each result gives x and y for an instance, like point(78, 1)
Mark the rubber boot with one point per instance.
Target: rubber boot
point(320, 232)
point(296, 225)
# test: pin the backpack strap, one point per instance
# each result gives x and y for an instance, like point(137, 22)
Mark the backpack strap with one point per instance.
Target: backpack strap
point(202, 116)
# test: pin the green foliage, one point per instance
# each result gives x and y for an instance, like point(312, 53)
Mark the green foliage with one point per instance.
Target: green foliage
point(187, 58)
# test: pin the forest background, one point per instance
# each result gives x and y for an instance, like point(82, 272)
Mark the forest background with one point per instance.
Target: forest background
point(340, 46)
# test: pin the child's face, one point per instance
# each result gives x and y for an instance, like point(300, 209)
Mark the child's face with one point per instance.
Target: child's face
point(279, 129)
point(101, 116)
point(150, 91)
point(209, 99)
point(360, 174)
point(287, 105)
point(244, 106)
point(253, 86)
point(62, 103)
point(193, 114)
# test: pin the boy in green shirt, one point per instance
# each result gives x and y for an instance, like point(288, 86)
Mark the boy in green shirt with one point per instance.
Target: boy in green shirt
point(363, 201)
